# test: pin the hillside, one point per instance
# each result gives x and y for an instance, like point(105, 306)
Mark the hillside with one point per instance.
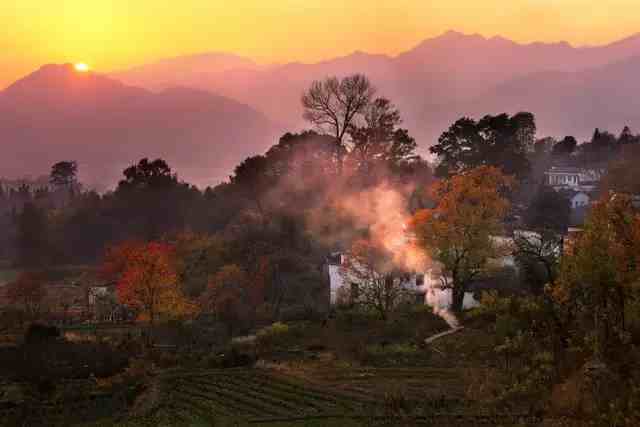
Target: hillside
point(58, 113)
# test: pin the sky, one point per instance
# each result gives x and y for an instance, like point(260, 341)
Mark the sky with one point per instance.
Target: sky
point(117, 34)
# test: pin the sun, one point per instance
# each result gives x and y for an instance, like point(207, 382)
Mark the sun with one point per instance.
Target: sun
point(81, 67)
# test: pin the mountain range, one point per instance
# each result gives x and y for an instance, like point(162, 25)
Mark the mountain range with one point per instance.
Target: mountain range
point(206, 112)
point(570, 89)
point(57, 113)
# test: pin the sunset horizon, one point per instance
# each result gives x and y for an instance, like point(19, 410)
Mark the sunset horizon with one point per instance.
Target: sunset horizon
point(115, 35)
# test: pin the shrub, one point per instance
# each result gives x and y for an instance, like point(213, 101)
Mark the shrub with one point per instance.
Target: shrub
point(38, 333)
point(394, 355)
point(274, 336)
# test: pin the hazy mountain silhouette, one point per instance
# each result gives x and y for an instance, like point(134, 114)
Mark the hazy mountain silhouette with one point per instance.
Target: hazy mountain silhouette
point(433, 83)
point(184, 70)
point(607, 97)
point(57, 113)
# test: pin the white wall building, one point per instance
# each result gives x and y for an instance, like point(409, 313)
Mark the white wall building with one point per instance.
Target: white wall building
point(427, 286)
point(579, 200)
point(571, 178)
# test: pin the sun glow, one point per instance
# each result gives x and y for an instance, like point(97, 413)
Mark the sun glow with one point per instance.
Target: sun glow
point(81, 67)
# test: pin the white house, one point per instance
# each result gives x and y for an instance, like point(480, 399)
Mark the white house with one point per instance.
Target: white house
point(572, 178)
point(340, 281)
point(427, 286)
point(580, 199)
point(563, 177)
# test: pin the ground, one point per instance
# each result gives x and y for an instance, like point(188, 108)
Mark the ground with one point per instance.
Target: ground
point(323, 390)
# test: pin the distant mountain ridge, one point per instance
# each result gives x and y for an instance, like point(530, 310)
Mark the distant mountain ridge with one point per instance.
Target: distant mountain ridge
point(57, 113)
point(434, 83)
point(205, 113)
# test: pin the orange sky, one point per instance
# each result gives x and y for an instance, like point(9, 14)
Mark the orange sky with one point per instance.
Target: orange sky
point(114, 34)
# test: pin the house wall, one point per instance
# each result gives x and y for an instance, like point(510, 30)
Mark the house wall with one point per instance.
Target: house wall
point(579, 200)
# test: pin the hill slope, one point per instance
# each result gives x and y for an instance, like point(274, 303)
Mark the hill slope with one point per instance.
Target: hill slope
point(57, 113)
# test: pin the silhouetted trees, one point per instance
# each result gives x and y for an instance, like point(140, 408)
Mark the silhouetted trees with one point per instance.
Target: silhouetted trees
point(64, 174)
point(32, 241)
point(502, 141)
point(565, 147)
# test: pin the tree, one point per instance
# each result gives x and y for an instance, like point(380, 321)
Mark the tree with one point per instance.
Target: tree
point(500, 141)
point(549, 210)
point(600, 272)
point(565, 147)
point(538, 249)
point(148, 282)
point(459, 232)
point(334, 104)
point(148, 175)
point(374, 280)
point(623, 175)
point(32, 237)
point(254, 179)
point(627, 137)
point(27, 292)
point(601, 149)
point(150, 201)
point(64, 174)
point(380, 144)
point(227, 296)
point(198, 256)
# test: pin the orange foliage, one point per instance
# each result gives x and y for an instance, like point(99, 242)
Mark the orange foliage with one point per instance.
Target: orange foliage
point(601, 271)
point(147, 280)
point(117, 258)
point(227, 295)
point(459, 232)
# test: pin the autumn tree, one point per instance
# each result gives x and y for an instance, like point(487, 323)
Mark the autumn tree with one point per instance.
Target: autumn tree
point(373, 279)
point(460, 230)
point(27, 293)
point(148, 283)
point(600, 272)
point(227, 296)
point(198, 256)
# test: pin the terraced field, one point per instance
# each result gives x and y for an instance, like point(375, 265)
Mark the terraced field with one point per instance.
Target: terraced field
point(349, 397)
point(250, 395)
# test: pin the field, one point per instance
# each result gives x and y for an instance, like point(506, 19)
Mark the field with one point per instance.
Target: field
point(347, 397)
point(318, 393)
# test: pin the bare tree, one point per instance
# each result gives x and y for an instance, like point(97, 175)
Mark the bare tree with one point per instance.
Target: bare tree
point(374, 281)
point(332, 105)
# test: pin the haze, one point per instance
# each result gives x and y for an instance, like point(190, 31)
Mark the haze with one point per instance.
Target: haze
point(117, 34)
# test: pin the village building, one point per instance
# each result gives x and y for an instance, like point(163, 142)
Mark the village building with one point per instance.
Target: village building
point(426, 287)
point(572, 178)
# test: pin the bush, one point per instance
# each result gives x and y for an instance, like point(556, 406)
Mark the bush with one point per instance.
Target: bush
point(272, 337)
point(44, 358)
point(394, 355)
point(38, 333)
